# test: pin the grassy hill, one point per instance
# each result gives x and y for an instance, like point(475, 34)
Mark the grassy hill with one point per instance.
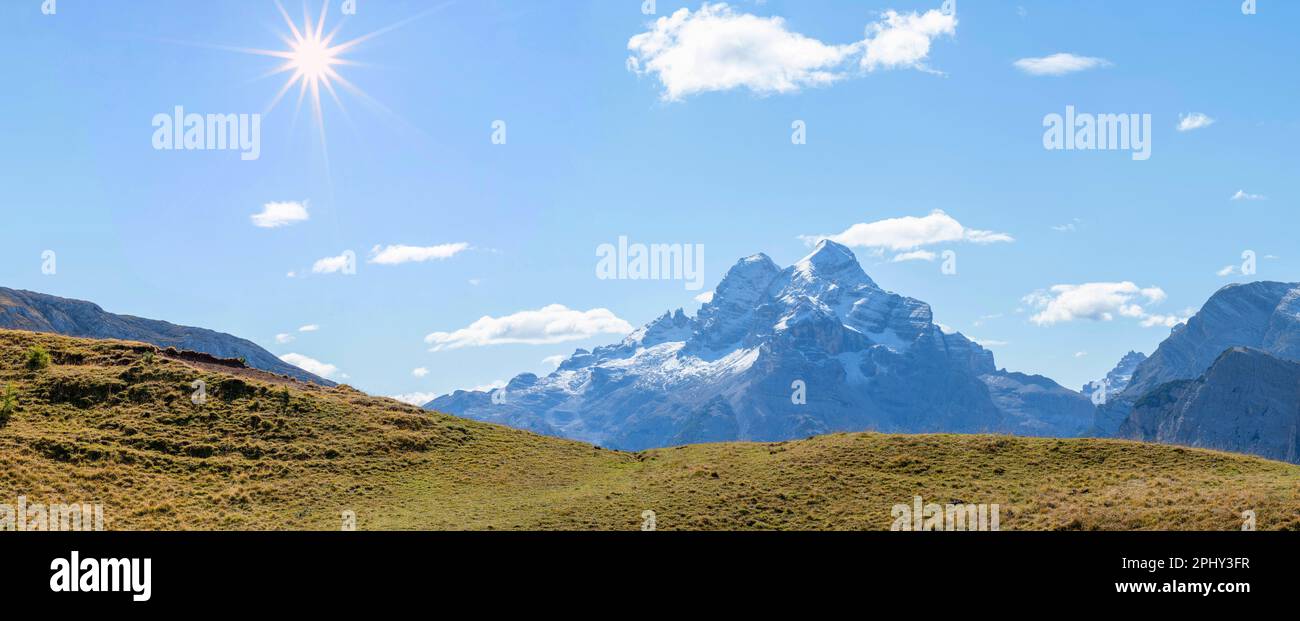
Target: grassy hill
point(113, 422)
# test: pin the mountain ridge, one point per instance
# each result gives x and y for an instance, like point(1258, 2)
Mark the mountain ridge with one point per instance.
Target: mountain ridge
point(40, 312)
point(1262, 315)
point(1248, 401)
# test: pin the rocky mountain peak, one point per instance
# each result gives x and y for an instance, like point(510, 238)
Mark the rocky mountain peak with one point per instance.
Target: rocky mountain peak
point(833, 262)
point(1263, 315)
point(867, 358)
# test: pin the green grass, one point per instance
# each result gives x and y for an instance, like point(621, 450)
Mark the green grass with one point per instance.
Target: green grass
point(112, 422)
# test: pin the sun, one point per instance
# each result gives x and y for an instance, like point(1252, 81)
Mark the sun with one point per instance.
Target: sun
point(312, 59)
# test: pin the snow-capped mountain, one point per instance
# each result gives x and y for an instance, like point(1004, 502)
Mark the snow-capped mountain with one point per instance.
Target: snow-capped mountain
point(814, 348)
point(1119, 377)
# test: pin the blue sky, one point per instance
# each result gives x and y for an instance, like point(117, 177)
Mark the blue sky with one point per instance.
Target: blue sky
point(692, 144)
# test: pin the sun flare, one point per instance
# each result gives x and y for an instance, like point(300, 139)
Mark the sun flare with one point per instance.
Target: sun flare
point(310, 61)
point(312, 58)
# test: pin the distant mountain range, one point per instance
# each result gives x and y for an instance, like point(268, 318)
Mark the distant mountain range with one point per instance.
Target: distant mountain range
point(1118, 379)
point(818, 347)
point(777, 354)
point(1226, 379)
point(1247, 401)
point(38, 312)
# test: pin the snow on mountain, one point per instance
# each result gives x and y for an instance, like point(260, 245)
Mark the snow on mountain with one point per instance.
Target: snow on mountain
point(1119, 377)
point(777, 354)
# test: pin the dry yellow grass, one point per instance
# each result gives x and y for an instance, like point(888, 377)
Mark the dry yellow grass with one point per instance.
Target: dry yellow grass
point(112, 422)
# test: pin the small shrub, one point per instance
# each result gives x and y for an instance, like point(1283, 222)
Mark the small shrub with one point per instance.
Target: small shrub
point(282, 398)
point(8, 404)
point(37, 358)
point(148, 357)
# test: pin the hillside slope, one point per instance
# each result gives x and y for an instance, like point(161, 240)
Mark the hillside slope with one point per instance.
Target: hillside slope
point(38, 312)
point(113, 422)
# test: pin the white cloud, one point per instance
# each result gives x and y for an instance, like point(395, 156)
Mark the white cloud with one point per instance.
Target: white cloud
point(980, 322)
point(1243, 195)
point(902, 40)
point(1098, 301)
point(1059, 64)
point(398, 254)
point(704, 298)
point(1194, 120)
point(283, 338)
point(276, 215)
point(989, 343)
point(311, 327)
point(330, 265)
point(419, 371)
point(1068, 227)
point(554, 360)
point(717, 48)
point(550, 324)
point(311, 365)
point(1227, 271)
point(1080, 354)
point(417, 399)
point(915, 255)
point(910, 233)
point(1167, 321)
